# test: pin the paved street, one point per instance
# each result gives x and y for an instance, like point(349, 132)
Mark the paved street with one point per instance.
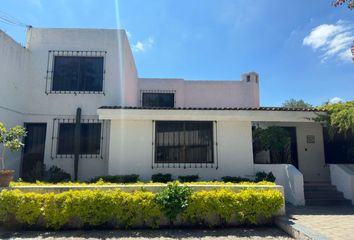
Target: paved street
point(324, 222)
point(229, 233)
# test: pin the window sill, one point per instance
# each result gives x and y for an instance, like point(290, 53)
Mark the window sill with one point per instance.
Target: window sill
point(76, 92)
point(81, 156)
point(184, 165)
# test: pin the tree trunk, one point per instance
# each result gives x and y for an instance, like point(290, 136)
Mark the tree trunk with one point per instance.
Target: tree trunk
point(3, 158)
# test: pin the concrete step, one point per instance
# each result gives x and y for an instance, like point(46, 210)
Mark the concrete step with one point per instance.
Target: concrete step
point(320, 188)
point(324, 195)
point(328, 202)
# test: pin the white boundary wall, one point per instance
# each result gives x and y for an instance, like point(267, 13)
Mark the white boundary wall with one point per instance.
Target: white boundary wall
point(290, 178)
point(343, 178)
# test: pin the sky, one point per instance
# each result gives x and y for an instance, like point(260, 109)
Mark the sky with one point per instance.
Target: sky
point(299, 48)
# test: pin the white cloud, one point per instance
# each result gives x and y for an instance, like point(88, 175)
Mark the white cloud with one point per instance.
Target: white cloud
point(336, 100)
point(331, 40)
point(129, 35)
point(142, 46)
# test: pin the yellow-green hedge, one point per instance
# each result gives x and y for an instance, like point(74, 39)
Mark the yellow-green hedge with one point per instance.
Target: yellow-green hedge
point(92, 208)
point(101, 182)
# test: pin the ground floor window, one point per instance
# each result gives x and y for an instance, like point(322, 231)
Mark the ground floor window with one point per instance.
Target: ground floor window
point(90, 138)
point(184, 142)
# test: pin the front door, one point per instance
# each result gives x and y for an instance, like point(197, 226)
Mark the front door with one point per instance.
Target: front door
point(33, 153)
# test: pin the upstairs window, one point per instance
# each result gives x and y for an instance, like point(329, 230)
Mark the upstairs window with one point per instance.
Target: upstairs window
point(82, 74)
point(90, 139)
point(184, 142)
point(158, 100)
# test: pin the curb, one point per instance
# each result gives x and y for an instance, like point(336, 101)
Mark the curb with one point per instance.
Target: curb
point(298, 231)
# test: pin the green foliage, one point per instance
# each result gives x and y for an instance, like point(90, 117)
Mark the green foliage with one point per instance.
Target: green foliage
point(100, 182)
point(132, 178)
point(263, 176)
point(188, 178)
point(270, 138)
point(53, 175)
point(234, 179)
point(92, 208)
point(339, 117)
point(293, 103)
point(161, 178)
point(11, 140)
point(173, 199)
point(247, 206)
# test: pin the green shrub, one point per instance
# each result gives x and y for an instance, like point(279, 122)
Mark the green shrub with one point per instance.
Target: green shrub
point(235, 179)
point(161, 178)
point(247, 206)
point(98, 208)
point(131, 178)
point(188, 178)
point(55, 175)
point(263, 176)
point(173, 199)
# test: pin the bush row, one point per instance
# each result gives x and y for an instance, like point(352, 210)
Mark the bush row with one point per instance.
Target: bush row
point(165, 178)
point(116, 209)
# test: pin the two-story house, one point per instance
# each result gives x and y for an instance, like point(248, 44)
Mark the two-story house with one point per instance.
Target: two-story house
point(86, 110)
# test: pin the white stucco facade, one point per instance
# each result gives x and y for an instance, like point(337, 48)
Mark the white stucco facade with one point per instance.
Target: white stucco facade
point(127, 142)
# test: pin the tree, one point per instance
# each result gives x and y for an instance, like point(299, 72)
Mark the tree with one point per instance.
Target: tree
point(272, 138)
point(350, 4)
point(11, 140)
point(339, 117)
point(293, 103)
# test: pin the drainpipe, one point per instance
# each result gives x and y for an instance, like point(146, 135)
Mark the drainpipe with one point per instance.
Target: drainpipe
point(77, 142)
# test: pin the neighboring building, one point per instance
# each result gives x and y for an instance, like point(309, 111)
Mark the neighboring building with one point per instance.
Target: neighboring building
point(132, 125)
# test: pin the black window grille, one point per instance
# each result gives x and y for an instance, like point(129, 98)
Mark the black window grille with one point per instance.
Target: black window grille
point(91, 138)
point(75, 72)
point(184, 142)
point(153, 99)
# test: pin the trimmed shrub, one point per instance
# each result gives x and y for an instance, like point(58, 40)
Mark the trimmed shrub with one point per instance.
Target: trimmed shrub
point(114, 208)
point(248, 206)
point(162, 178)
point(263, 176)
point(173, 199)
point(131, 178)
point(188, 178)
point(235, 179)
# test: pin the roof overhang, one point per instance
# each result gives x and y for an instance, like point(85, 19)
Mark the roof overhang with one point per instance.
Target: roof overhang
point(217, 114)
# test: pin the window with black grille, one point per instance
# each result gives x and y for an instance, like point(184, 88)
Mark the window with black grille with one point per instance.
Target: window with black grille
point(150, 99)
point(184, 142)
point(77, 73)
point(90, 138)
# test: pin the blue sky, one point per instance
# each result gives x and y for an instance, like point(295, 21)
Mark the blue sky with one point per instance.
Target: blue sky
point(299, 48)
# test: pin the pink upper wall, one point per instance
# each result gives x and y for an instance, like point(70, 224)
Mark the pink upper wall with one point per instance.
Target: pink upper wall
point(243, 93)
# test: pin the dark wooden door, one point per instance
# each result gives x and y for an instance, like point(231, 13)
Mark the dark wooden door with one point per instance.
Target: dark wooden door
point(33, 153)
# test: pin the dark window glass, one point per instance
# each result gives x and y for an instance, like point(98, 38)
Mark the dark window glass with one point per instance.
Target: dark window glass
point(339, 148)
point(184, 142)
point(159, 100)
point(78, 74)
point(66, 138)
point(90, 138)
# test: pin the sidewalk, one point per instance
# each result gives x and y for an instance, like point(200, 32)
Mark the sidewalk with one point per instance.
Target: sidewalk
point(332, 222)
